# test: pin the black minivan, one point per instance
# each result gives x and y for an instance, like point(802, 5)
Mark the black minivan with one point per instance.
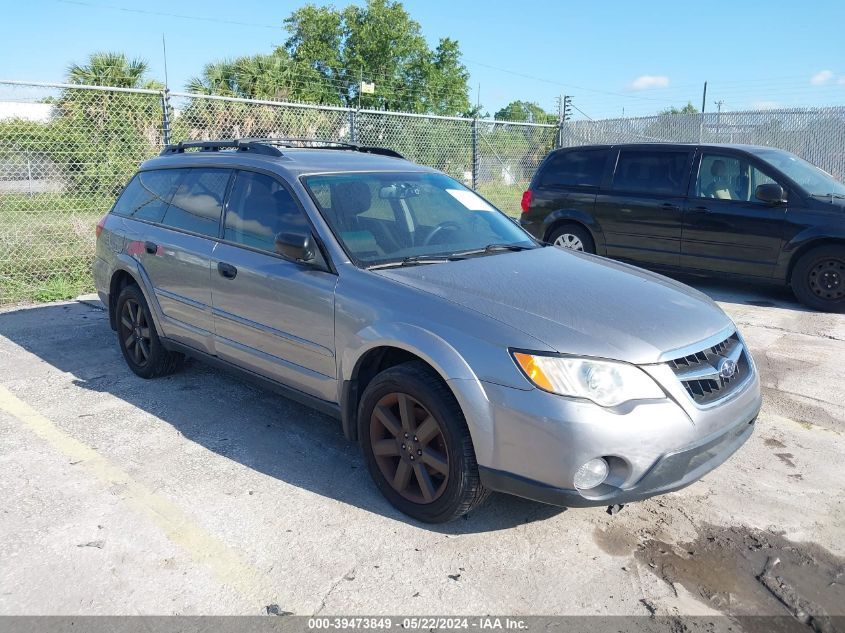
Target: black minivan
point(757, 213)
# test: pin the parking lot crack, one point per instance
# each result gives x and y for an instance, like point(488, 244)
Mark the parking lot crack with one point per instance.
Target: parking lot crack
point(348, 575)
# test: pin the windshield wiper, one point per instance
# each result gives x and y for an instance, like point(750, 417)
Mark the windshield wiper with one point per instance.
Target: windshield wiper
point(828, 195)
point(492, 248)
point(415, 260)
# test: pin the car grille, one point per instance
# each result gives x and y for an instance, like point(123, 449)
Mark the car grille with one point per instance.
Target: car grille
point(706, 376)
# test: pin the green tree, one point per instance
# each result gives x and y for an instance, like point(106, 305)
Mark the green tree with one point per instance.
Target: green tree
point(527, 111)
point(378, 43)
point(687, 109)
point(109, 69)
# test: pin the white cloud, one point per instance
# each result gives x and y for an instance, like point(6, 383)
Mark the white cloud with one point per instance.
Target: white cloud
point(648, 82)
point(765, 105)
point(821, 77)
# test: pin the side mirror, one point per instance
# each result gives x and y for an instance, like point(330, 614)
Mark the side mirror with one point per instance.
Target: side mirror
point(770, 192)
point(298, 247)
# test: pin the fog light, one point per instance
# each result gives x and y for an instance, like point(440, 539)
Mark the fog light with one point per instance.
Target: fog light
point(591, 474)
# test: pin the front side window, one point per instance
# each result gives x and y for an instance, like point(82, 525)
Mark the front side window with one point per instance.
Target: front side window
point(197, 203)
point(582, 168)
point(259, 209)
point(386, 217)
point(726, 177)
point(651, 171)
point(148, 194)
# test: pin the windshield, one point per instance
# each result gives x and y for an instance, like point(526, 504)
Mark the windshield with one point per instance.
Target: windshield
point(398, 217)
point(814, 180)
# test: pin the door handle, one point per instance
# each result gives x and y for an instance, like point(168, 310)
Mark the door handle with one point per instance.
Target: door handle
point(227, 270)
point(670, 207)
point(701, 209)
point(151, 247)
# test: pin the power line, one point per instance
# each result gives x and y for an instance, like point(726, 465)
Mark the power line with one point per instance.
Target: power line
point(169, 15)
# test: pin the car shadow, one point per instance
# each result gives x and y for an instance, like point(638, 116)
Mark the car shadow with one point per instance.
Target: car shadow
point(215, 409)
point(744, 293)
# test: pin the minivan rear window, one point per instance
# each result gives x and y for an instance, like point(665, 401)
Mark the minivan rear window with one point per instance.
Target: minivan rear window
point(579, 168)
point(651, 171)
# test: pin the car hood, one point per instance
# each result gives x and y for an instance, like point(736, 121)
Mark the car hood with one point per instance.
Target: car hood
point(575, 303)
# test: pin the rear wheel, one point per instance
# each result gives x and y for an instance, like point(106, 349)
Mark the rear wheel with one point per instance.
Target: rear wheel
point(138, 339)
point(573, 237)
point(417, 446)
point(818, 279)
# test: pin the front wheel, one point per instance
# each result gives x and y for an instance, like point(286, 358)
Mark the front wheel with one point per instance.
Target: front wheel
point(417, 446)
point(818, 279)
point(573, 237)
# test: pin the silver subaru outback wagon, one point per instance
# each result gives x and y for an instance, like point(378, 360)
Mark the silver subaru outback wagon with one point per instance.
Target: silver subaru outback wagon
point(462, 354)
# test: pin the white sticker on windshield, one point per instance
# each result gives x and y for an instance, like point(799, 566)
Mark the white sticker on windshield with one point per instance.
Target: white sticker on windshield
point(470, 200)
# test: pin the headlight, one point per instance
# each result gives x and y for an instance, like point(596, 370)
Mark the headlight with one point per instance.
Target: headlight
point(606, 383)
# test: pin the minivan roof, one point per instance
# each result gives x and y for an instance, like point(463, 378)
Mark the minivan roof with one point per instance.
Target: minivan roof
point(659, 145)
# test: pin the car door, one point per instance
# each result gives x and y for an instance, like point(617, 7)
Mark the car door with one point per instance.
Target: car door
point(179, 212)
point(726, 228)
point(272, 316)
point(642, 211)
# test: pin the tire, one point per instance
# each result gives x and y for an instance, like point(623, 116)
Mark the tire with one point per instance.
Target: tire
point(574, 237)
point(455, 487)
point(146, 357)
point(818, 279)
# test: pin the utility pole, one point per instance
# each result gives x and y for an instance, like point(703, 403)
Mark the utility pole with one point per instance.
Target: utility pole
point(701, 120)
point(718, 117)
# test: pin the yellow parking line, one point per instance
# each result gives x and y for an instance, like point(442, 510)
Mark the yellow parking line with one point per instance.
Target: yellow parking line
point(202, 547)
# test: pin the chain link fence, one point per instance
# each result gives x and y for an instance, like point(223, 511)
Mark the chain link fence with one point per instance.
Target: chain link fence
point(66, 151)
point(816, 134)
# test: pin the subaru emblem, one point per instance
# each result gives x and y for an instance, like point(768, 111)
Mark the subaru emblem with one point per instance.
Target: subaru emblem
point(727, 368)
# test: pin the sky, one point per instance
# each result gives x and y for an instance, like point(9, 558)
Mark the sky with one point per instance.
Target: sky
point(612, 58)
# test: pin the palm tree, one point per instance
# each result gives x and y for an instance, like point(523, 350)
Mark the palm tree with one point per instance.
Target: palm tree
point(109, 69)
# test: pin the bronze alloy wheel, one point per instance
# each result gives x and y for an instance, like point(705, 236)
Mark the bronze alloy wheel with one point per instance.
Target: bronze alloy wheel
point(135, 332)
point(409, 448)
point(827, 279)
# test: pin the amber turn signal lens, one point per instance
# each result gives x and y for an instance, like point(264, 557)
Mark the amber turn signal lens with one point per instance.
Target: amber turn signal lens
point(532, 370)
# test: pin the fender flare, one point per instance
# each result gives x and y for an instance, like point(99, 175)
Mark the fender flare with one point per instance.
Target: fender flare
point(431, 348)
point(133, 268)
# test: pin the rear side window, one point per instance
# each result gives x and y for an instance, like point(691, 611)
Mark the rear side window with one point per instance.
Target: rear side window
point(651, 171)
point(197, 203)
point(147, 195)
point(259, 209)
point(583, 168)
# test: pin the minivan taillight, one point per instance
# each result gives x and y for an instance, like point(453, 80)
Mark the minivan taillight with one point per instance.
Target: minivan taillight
point(526, 200)
point(100, 225)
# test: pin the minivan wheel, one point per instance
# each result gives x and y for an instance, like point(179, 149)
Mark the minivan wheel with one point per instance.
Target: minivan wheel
point(573, 237)
point(417, 446)
point(818, 279)
point(138, 339)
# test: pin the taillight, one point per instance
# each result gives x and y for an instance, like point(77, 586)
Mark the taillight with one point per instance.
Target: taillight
point(526, 200)
point(100, 225)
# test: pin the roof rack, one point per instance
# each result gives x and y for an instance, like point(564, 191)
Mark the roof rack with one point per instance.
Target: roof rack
point(270, 146)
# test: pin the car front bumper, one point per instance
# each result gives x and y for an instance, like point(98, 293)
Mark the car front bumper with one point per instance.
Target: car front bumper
point(539, 440)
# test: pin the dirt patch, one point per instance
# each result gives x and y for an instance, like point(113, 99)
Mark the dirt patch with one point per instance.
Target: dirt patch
point(773, 443)
point(743, 572)
point(786, 458)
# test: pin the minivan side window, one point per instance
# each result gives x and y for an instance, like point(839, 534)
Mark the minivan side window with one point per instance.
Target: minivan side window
point(583, 168)
point(197, 203)
point(727, 177)
point(260, 208)
point(147, 195)
point(651, 171)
